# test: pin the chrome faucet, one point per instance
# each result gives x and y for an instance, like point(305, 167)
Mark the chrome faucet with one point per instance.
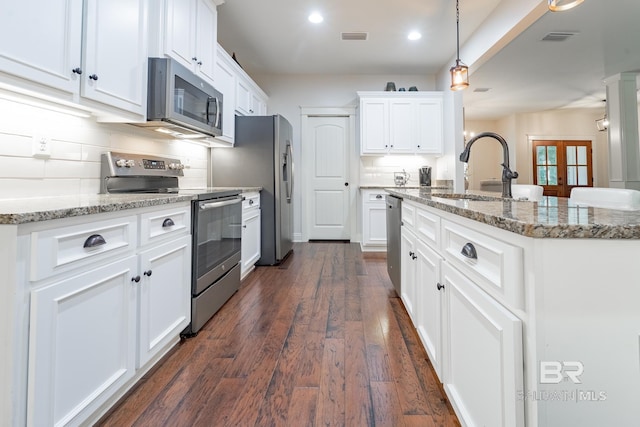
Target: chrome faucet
point(507, 174)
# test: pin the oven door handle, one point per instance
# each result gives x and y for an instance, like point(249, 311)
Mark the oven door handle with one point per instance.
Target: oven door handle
point(213, 205)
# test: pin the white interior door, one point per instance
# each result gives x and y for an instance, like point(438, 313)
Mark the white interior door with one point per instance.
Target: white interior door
point(327, 160)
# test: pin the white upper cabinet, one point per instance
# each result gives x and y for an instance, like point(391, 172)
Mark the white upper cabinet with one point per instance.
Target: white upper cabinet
point(191, 34)
point(115, 54)
point(250, 100)
point(105, 63)
point(24, 53)
point(226, 84)
point(401, 123)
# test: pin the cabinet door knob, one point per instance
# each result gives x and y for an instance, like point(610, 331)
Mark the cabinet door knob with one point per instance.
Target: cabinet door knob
point(194, 58)
point(77, 70)
point(346, 184)
point(244, 226)
point(440, 286)
point(469, 251)
point(168, 223)
point(148, 273)
point(414, 256)
point(250, 201)
point(135, 279)
point(94, 240)
point(93, 77)
point(378, 196)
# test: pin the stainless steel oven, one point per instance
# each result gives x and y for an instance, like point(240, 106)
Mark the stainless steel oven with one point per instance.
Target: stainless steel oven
point(217, 231)
point(216, 218)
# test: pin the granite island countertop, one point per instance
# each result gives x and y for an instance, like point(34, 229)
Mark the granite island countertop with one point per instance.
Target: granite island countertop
point(34, 209)
point(552, 217)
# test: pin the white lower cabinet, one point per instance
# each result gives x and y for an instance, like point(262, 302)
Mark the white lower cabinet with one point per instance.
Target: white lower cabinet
point(164, 307)
point(251, 232)
point(473, 341)
point(483, 373)
point(374, 220)
point(82, 343)
point(408, 271)
point(428, 318)
point(118, 305)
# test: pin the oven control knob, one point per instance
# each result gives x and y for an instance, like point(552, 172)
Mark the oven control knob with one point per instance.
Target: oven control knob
point(121, 163)
point(130, 163)
point(176, 166)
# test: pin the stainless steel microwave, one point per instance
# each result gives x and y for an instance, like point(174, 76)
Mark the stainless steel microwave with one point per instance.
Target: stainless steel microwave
point(180, 103)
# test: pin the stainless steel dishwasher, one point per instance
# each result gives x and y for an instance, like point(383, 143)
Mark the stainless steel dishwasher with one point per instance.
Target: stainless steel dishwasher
point(394, 222)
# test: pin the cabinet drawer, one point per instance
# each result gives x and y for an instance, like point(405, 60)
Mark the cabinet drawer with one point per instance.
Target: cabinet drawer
point(251, 200)
point(155, 226)
point(494, 265)
point(427, 227)
point(374, 196)
point(408, 215)
point(62, 249)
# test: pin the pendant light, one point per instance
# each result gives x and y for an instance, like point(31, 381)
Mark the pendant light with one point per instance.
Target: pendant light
point(561, 5)
point(459, 72)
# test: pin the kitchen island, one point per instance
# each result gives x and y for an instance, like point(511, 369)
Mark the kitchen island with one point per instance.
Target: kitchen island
point(528, 310)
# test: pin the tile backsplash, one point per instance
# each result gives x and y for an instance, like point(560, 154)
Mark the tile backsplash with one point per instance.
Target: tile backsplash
point(76, 146)
point(379, 170)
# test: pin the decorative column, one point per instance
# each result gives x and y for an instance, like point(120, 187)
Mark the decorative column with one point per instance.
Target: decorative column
point(624, 144)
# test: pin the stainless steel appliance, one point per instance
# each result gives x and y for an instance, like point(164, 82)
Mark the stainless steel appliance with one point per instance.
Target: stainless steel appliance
point(262, 157)
point(394, 223)
point(216, 218)
point(179, 103)
point(425, 176)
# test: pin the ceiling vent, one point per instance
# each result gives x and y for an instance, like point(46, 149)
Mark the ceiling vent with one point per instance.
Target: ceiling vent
point(354, 36)
point(558, 36)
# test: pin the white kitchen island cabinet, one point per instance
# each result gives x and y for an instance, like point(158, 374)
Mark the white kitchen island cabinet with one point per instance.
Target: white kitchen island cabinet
point(94, 59)
point(92, 302)
point(539, 322)
point(400, 123)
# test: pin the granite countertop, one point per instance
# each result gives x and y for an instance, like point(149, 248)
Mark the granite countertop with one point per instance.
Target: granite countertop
point(34, 209)
point(551, 217)
point(405, 187)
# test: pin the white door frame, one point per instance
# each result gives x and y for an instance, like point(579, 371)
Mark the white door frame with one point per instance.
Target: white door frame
point(354, 157)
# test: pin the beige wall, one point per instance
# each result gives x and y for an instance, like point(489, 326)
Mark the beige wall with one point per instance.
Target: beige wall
point(520, 128)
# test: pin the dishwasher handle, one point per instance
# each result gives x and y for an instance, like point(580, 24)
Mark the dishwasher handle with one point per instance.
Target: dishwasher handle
point(219, 204)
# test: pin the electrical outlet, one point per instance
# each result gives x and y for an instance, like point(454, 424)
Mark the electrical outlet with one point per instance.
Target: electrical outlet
point(41, 146)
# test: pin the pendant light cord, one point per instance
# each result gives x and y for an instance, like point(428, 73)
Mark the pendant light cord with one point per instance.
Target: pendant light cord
point(457, 31)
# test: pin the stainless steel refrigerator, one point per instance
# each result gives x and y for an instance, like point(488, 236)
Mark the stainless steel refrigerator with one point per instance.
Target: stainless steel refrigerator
point(262, 157)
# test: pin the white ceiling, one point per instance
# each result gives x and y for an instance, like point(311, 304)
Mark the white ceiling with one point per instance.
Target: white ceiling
point(275, 37)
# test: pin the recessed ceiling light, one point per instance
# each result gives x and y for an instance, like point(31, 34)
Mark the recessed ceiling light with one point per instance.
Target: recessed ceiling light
point(414, 35)
point(316, 18)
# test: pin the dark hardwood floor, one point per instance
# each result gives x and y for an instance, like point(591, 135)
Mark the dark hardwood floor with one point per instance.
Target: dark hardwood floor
point(321, 340)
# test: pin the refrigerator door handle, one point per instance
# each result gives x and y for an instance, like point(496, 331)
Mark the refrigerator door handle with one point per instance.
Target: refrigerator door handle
point(289, 164)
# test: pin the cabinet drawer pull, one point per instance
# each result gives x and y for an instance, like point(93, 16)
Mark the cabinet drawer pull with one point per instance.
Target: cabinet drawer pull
point(440, 286)
point(378, 196)
point(251, 201)
point(414, 256)
point(135, 279)
point(411, 254)
point(469, 251)
point(168, 223)
point(94, 240)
